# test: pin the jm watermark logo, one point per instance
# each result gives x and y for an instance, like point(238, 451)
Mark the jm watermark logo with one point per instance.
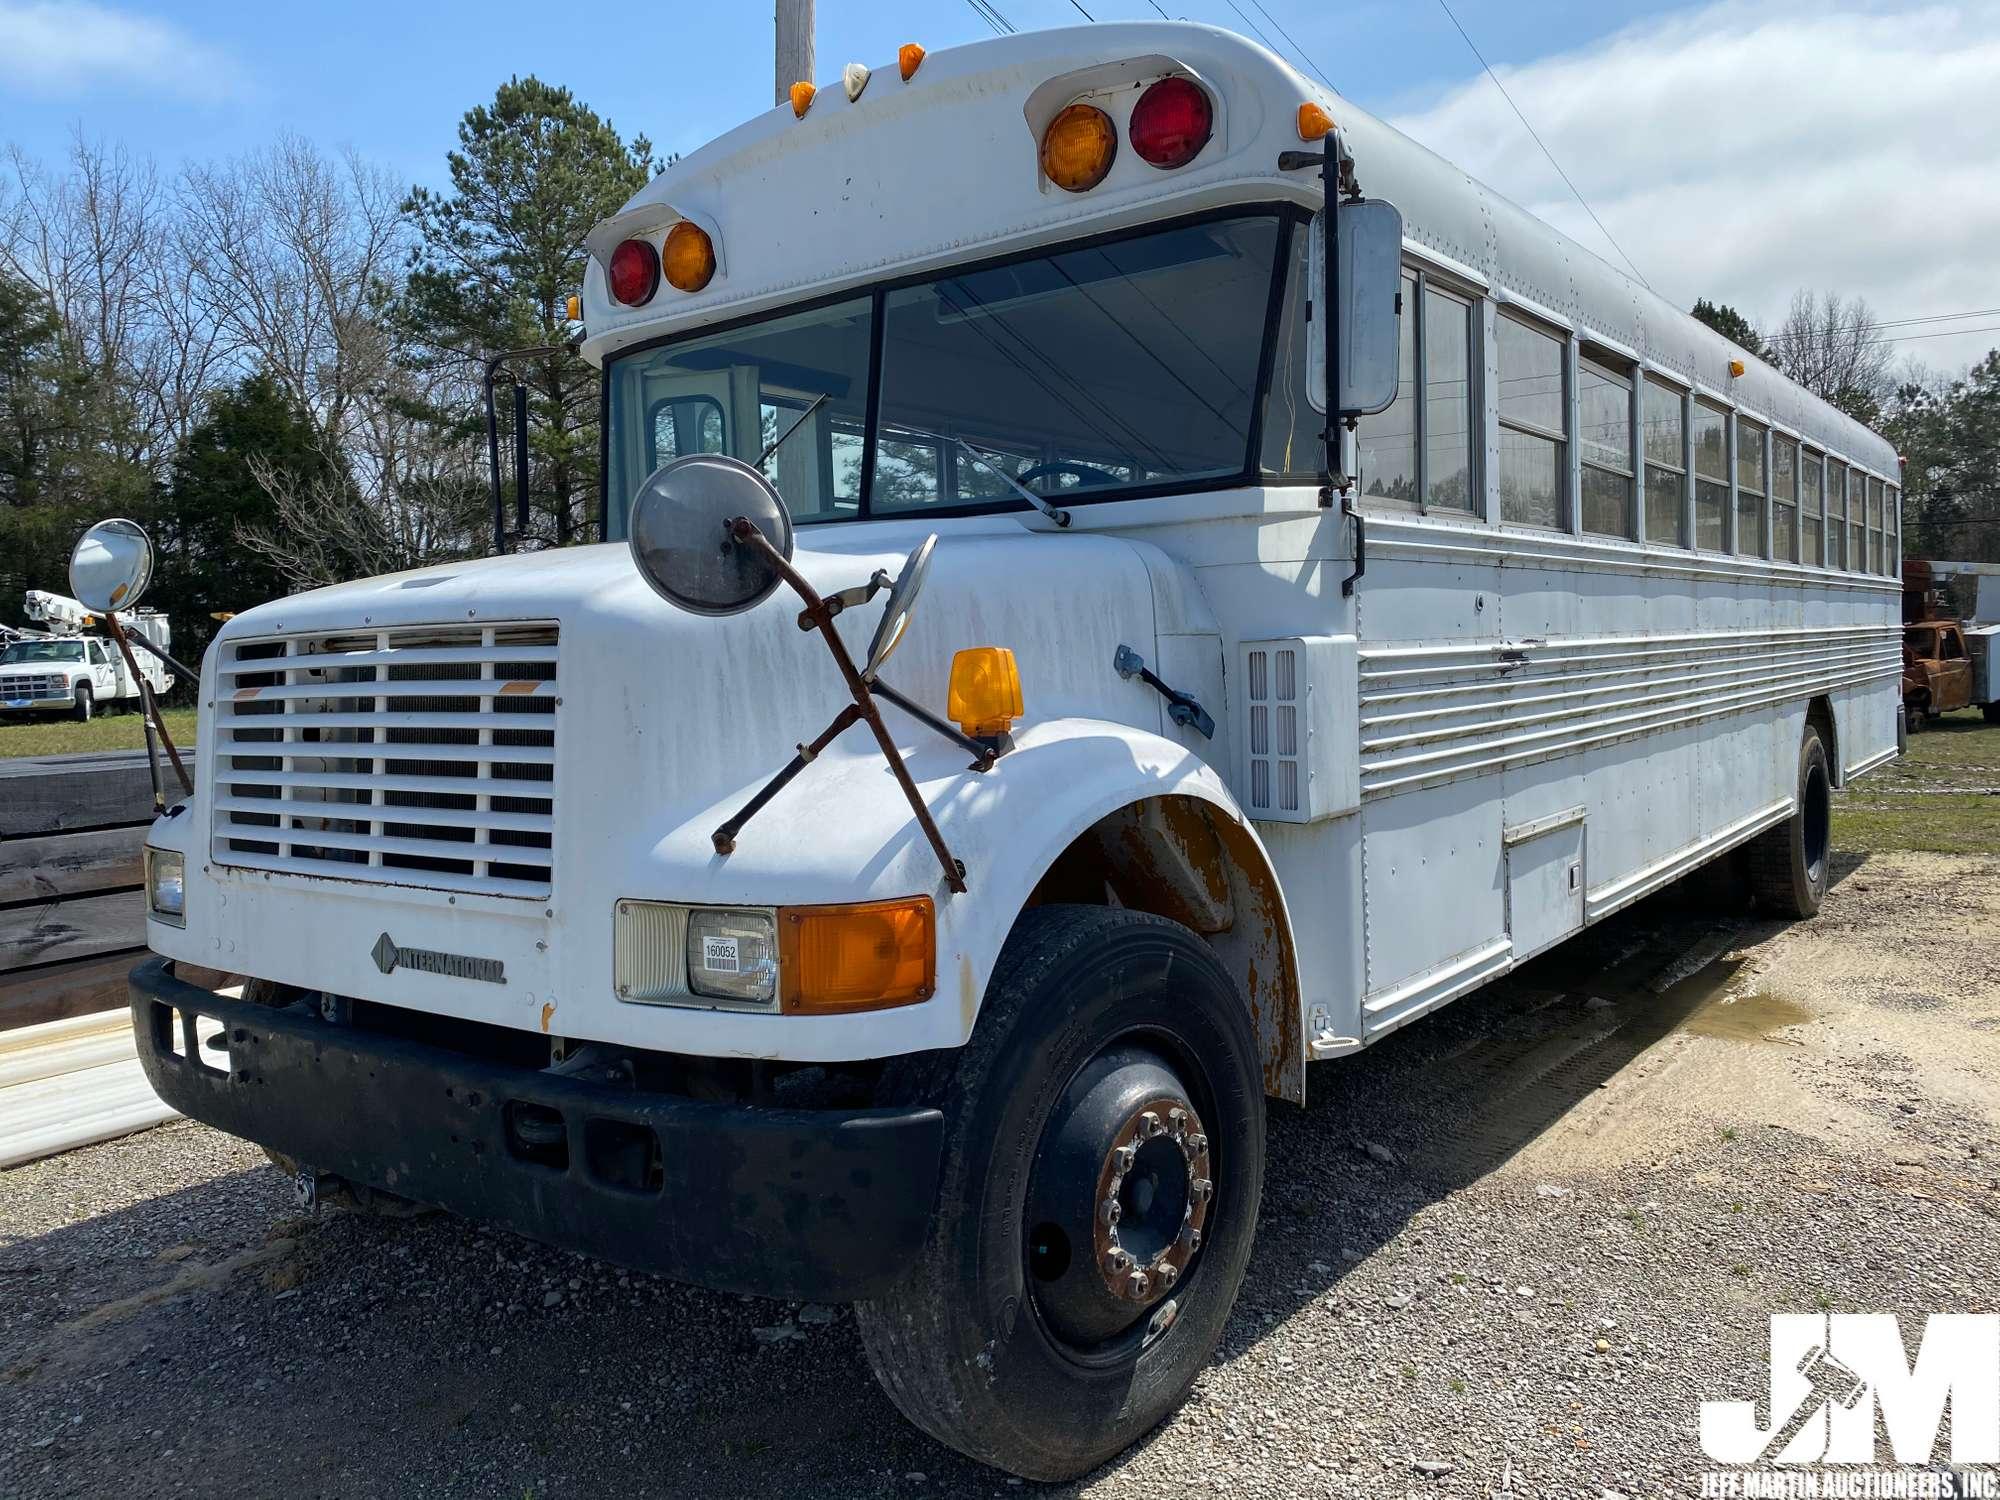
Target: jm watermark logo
point(1841, 1389)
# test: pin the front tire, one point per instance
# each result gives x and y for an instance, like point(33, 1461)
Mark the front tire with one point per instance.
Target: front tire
point(85, 700)
point(1789, 864)
point(1103, 1166)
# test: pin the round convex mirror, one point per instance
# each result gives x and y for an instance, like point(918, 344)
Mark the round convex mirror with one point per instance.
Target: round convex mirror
point(679, 536)
point(111, 566)
point(902, 599)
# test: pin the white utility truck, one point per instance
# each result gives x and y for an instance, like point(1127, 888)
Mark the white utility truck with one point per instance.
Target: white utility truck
point(62, 670)
point(637, 898)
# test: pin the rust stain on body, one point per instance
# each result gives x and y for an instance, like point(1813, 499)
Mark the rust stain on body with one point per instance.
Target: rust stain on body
point(548, 1014)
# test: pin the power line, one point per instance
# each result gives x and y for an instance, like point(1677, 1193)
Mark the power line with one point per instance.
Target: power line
point(1315, 67)
point(1446, 8)
point(1084, 13)
point(1244, 15)
point(988, 13)
point(1900, 338)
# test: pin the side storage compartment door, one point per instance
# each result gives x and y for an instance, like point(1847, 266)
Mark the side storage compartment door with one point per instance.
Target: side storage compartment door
point(1545, 880)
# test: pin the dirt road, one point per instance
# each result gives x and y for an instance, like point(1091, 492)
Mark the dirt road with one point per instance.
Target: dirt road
point(1510, 1250)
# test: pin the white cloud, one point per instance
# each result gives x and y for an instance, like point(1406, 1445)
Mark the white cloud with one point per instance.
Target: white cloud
point(58, 49)
point(1741, 151)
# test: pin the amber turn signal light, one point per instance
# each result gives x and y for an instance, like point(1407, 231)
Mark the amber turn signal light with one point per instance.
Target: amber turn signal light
point(1314, 122)
point(802, 98)
point(833, 960)
point(1079, 147)
point(985, 696)
point(689, 257)
point(909, 57)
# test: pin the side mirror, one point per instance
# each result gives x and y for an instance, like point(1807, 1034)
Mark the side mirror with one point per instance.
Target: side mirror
point(111, 566)
point(1367, 307)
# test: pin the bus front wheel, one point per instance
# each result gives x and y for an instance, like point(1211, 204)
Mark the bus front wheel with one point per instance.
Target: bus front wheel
point(1789, 864)
point(1103, 1164)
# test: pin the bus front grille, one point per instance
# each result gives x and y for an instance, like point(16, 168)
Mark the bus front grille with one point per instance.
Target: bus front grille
point(415, 755)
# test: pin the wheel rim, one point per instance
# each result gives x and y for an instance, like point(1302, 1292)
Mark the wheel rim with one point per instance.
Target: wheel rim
point(1119, 1204)
point(1817, 825)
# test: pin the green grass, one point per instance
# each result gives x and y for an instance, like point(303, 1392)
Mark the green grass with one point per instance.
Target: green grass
point(1942, 797)
point(108, 731)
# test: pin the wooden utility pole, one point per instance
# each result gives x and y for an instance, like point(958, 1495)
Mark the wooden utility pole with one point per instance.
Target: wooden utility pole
point(795, 45)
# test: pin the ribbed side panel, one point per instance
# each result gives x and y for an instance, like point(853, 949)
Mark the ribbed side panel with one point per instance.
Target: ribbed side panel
point(1432, 713)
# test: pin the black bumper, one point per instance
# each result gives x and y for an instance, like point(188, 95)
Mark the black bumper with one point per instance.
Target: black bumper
point(827, 1205)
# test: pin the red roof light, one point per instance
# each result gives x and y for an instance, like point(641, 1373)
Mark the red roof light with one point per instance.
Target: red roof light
point(1171, 122)
point(634, 272)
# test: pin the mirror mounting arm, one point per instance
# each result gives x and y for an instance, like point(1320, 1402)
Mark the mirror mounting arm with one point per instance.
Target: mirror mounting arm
point(862, 710)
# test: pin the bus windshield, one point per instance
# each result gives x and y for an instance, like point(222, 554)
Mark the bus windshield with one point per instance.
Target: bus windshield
point(1104, 369)
point(27, 651)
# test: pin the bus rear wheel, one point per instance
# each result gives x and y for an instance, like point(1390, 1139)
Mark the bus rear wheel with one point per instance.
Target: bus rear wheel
point(1103, 1165)
point(1789, 864)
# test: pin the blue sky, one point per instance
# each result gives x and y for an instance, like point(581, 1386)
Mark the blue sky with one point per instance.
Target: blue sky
point(1738, 149)
point(392, 79)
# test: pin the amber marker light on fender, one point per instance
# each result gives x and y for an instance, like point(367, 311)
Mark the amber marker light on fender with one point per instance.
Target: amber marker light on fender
point(833, 960)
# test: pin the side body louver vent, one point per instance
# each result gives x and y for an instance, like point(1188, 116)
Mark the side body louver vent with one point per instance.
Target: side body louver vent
point(1297, 728)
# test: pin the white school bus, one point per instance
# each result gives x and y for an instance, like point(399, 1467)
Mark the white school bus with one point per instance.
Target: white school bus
point(635, 898)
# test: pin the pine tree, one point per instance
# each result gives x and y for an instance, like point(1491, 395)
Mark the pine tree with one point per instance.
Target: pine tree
point(498, 257)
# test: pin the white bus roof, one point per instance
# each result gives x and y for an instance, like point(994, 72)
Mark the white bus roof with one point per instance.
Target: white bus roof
point(944, 170)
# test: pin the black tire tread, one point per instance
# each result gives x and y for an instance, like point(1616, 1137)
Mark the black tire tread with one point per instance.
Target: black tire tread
point(904, 1335)
point(1768, 859)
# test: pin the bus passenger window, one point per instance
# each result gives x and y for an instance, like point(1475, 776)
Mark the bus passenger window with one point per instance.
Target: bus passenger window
point(1711, 476)
point(1836, 514)
point(1749, 488)
point(1534, 427)
point(1447, 400)
point(1604, 443)
point(1784, 499)
point(1385, 444)
point(1812, 528)
point(1666, 462)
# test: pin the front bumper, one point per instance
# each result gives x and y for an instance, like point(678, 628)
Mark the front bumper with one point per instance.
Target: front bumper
point(61, 703)
point(827, 1205)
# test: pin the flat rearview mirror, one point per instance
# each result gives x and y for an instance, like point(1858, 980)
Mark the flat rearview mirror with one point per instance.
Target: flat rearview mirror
point(1367, 299)
point(902, 599)
point(111, 566)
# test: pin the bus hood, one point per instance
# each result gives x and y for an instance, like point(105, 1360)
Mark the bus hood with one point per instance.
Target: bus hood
point(663, 710)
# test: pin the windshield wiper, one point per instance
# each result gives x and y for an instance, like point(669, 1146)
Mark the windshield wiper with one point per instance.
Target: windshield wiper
point(1047, 507)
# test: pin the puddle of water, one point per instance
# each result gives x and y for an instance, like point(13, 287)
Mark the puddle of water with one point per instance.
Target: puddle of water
point(1756, 1017)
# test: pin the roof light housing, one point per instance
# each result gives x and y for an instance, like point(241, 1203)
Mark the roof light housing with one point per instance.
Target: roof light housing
point(909, 57)
point(1172, 121)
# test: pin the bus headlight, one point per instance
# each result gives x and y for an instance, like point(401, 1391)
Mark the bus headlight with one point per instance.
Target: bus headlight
point(732, 954)
point(166, 886)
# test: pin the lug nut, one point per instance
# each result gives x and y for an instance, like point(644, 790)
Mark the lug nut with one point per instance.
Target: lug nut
point(1201, 1189)
point(1110, 1211)
point(1193, 1238)
point(1137, 1285)
point(1198, 1144)
point(1118, 1262)
point(1150, 1126)
point(1124, 1157)
point(1169, 1274)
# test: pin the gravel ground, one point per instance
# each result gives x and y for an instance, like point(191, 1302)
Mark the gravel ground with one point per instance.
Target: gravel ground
point(1509, 1250)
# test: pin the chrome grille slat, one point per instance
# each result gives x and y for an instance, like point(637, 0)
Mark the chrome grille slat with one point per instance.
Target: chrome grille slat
point(410, 755)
